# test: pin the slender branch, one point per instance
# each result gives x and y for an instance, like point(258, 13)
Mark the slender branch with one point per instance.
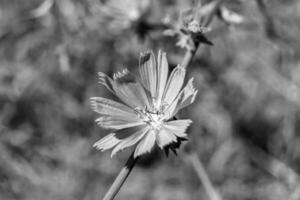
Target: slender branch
point(209, 188)
point(273, 166)
point(121, 178)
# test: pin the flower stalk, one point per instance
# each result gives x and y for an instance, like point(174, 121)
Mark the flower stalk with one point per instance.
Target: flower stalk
point(121, 178)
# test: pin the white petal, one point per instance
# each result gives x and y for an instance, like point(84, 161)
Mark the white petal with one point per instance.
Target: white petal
point(107, 82)
point(146, 144)
point(109, 122)
point(162, 75)
point(133, 95)
point(178, 127)
point(130, 90)
point(107, 142)
point(174, 84)
point(148, 71)
point(170, 110)
point(165, 137)
point(186, 97)
point(109, 107)
point(127, 88)
point(130, 141)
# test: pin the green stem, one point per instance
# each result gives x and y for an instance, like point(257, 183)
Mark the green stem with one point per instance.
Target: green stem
point(120, 179)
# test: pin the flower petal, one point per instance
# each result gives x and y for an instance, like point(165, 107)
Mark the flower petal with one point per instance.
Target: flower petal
point(178, 127)
point(107, 142)
point(109, 122)
point(174, 84)
point(130, 141)
point(126, 132)
point(109, 107)
point(162, 75)
point(165, 137)
point(170, 110)
point(186, 97)
point(130, 90)
point(148, 71)
point(146, 144)
point(107, 82)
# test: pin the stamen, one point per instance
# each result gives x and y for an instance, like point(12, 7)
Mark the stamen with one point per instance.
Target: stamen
point(153, 118)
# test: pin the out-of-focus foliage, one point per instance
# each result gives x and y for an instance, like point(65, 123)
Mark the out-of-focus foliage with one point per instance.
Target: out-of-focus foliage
point(246, 116)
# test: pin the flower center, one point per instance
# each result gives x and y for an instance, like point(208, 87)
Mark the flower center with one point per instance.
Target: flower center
point(154, 119)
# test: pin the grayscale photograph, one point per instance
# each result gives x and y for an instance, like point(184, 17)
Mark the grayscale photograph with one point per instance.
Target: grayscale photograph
point(149, 100)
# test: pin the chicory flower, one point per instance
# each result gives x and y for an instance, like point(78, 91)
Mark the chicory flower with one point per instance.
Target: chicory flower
point(145, 115)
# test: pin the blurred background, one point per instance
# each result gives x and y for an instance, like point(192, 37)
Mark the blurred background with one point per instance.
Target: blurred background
point(246, 116)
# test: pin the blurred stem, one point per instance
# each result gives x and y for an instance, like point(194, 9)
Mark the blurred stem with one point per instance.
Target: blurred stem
point(209, 188)
point(193, 158)
point(191, 52)
point(121, 178)
point(273, 166)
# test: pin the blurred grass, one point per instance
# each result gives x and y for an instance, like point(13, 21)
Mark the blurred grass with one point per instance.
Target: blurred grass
point(246, 115)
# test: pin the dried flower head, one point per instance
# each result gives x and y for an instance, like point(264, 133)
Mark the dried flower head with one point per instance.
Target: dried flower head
point(149, 103)
point(187, 26)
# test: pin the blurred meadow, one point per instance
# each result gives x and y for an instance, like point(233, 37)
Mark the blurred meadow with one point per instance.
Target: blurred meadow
point(246, 118)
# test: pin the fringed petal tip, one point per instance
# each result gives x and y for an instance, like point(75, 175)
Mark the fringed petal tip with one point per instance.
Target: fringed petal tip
point(181, 71)
point(161, 53)
point(187, 96)
point(165, 137)
point(194, 96)
point(102, 77)
point(120, 74)
point(146, 144)
point(94, 104)
point(140, 153)
point(191, 86)
point(174, 84)
point(106, 142)
point(99, 121)
point(101, 74)
point(190, 90)
point(129, 141)
point(180, 67)
point(146, 54)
